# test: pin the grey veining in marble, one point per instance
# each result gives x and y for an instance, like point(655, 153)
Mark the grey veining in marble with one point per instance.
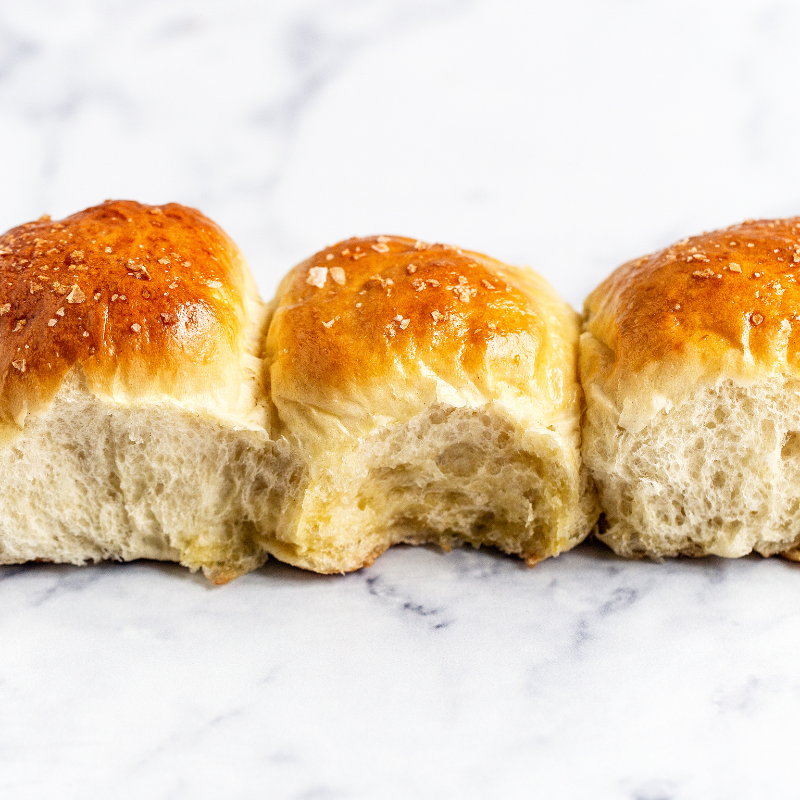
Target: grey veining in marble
point(568, 135)
point(428, 675)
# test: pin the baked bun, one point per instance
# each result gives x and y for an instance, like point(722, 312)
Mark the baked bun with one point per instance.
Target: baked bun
point(133, 417)
point(433, 396)
point(690, 362)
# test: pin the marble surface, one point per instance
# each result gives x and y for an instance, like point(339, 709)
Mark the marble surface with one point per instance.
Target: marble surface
point(569, 135)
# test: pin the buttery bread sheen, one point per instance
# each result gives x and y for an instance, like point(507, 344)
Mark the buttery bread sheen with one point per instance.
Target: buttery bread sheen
point(433, 394)
point(690, 361)
point(149, 301)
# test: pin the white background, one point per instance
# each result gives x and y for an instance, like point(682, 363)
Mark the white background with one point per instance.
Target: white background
point(569, 135)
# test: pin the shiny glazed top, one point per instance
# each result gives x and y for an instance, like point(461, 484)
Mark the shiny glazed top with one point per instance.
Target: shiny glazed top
point(147, 300)
point(372, 330)
point(724, 304)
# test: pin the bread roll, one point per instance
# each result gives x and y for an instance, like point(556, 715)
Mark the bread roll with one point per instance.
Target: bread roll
point(690, 362)
point(433, 396)
point(133, 418)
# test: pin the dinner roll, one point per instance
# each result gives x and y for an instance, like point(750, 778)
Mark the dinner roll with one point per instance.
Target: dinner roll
point(690, 362)
point(433, 396)
point(133, 417)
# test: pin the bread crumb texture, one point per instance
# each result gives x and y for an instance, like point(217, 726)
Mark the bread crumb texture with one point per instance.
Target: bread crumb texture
point(716, 475)
point(89, 480)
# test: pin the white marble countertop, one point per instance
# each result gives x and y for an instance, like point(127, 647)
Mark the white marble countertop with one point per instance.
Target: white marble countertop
point(570, 136)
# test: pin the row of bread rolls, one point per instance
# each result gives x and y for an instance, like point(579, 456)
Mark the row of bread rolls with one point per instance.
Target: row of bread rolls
point(152, 406)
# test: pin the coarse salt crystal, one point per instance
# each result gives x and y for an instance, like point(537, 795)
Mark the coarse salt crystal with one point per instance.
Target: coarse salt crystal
point(317, 276)
point(76, 295)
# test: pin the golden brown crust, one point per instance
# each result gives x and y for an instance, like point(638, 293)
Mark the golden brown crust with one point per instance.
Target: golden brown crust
point(721, 304)
point(147, 299)
point(388, 311)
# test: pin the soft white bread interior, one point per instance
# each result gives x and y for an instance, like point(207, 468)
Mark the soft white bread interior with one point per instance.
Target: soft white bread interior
point(433, 396)
point(133, 417)
point(690, 365)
